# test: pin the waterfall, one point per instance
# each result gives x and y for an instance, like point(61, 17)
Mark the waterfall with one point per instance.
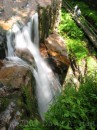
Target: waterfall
point(9, 44)
point(47, 85)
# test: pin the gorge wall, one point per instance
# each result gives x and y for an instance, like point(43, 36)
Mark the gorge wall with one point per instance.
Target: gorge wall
point(17, 94)
point(12, 11)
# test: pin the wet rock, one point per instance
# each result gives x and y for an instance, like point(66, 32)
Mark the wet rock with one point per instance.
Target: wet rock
point(5, 116)
point(56, 48)
point(2, 90)
point(16, 95)
point(24, 54)
point(15, 122)
point(1, 64)
point(14, 76)
point(2, 44)
point(49, 18)
point(10, 117)
point(23, 10)
point(55, 54)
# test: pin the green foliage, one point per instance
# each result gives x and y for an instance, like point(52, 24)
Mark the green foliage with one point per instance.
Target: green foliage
point(74, 36)
point(27, 100)
point(69, 27)
point(86, 11)
point(4, 102)
point(33, 125)
point(77, 48)
point(75, 110)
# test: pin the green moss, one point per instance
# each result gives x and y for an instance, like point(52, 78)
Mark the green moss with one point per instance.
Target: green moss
point(4, 102)
point(27, 102)
point(69, 27)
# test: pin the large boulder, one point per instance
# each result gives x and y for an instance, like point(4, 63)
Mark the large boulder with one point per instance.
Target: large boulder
point(24, 54)
point(14, 76)
point(54, 52)
point(16, 95)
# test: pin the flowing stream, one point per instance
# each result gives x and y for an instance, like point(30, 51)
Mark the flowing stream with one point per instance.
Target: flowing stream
point(27, 37)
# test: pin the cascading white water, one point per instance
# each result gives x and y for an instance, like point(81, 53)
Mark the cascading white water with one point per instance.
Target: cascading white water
point(47, 85)
point(9, 44)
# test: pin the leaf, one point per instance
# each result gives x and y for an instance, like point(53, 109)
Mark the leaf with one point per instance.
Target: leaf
point(66, 114)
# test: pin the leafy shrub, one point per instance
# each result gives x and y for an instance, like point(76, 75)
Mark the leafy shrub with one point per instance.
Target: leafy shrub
point(77, 48)
point(73, 36)
point(69, 27)
point(33, 125)
point(75, 110)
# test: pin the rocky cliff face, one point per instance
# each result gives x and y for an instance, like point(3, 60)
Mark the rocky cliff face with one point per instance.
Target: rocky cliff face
point(12, 11)
point(58, 57)
point(17, 96)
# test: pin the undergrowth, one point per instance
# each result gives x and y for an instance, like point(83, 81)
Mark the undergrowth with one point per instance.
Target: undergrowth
point(74, 37)
point(73, 110)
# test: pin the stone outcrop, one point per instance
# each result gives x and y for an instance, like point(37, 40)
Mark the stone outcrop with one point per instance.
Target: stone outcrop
point(16, 95)
point(54, 51)
point(21, 10)
point(14, 76)
point(25, 55)
point(57, 48)
point(49, 18)
point(17, 83)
